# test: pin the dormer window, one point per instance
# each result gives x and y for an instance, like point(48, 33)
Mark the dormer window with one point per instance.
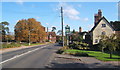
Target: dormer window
point(103, 25)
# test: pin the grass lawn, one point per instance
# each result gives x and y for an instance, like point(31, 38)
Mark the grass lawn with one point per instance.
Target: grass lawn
point(98, 55)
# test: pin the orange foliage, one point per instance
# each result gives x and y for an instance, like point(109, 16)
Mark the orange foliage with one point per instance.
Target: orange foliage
point(23, 27)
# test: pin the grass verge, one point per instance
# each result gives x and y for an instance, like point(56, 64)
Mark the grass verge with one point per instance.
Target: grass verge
point(98, 55)
point(13, 45)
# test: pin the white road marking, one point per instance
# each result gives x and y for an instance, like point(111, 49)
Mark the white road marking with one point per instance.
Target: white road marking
point(22, 54)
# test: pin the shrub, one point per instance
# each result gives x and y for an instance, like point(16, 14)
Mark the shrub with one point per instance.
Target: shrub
point(73, 46)
point(11, 45)
point(79, 45)
point(80, 54)
point(61, 50)
point(47, 40)
point(76, 53)
point(15, 44)
point(25, 44)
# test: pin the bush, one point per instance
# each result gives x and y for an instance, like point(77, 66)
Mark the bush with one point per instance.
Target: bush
point(47, 40)
point(79, 45)
point(11, 45)
point(73, 46)
point(60, 51)
point(95, 47)
point(15, 44)
point(80, 54)
point(25, 44)
point(76, 53)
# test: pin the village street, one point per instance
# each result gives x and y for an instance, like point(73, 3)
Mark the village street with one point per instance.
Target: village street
point(45, 56)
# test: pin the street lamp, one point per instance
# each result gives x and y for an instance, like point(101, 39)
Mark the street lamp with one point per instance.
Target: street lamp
point(67, 32)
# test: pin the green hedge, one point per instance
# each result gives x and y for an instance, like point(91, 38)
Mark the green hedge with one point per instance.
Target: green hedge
point(11, 45)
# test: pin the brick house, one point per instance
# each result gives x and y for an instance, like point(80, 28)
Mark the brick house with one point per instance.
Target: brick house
point(51, 36)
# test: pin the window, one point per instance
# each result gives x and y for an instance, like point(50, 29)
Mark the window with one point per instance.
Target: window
point(103, 25)
point(96, 40)
point(103, 33)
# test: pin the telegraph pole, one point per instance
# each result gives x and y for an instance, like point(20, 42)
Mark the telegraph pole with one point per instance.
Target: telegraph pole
point(62, 25)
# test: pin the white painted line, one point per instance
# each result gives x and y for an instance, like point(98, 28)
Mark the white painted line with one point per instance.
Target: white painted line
point(21, 55)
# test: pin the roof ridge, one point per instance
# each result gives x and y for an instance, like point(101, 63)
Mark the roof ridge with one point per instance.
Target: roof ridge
point(98, 23)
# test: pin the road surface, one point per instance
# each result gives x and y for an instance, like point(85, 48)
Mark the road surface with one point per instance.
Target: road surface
point(34, 57)
point(44, 57)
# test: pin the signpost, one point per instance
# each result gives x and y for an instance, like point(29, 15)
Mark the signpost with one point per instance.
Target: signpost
point(67, 32)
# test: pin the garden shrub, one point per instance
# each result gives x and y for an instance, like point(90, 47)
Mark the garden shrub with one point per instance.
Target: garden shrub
point(81, 54)
point(11, 45)
point(26, 44)
point(76, 53)
point(61, 50)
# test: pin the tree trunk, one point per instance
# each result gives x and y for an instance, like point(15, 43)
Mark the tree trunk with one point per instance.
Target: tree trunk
point(111, 54)
point(102, 49)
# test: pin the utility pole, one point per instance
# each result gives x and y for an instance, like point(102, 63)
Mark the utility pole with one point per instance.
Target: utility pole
point(47, 34)
point(62, 25)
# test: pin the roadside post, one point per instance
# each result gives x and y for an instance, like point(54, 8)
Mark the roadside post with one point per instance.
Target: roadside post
point(67, 32)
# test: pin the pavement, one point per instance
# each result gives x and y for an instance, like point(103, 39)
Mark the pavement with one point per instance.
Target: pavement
point(69, 61)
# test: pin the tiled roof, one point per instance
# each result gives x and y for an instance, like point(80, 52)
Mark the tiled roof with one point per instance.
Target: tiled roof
point(116, 25)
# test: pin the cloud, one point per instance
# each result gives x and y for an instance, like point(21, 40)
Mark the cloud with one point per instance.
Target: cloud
point(69, 11)
point(53, 26)
point(90, 26)
point(47, 23)
point(37, 17)
point(85, 19)
point(19, 2)
point(16, 21)
point(79, 5)
point(50, 29)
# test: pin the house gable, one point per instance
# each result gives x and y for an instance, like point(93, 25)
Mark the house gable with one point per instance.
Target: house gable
point(103, 27)
point(103, 18)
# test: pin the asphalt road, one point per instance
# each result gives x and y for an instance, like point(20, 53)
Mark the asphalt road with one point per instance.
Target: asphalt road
point(34, 57)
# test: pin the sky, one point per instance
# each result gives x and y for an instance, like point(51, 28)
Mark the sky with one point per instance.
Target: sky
point(76, 14)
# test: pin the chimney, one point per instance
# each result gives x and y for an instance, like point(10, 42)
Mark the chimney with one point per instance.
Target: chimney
point(96, 19)
point(99, 13)
point(80, 29)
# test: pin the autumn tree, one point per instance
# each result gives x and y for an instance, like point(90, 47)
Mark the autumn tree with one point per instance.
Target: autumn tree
point(29, 30)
